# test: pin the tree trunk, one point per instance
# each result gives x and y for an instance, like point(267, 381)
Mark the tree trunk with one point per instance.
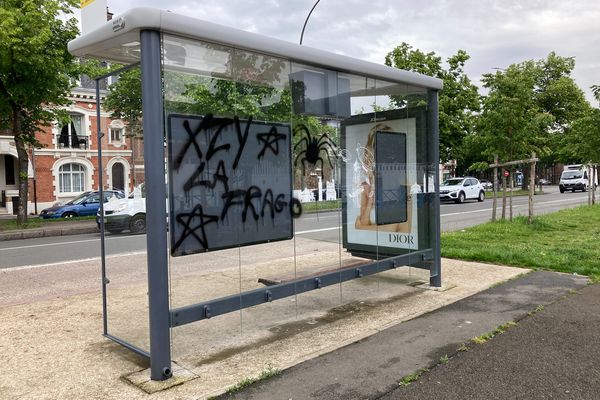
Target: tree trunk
point(590, 190)
point(512, 187)
point(503, 196)
point(23, 161)
point(495, 202)
point(595, 172)
point(526, 181)
point(531, 190)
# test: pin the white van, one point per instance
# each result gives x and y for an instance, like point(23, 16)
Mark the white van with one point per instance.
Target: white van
point(575, 177)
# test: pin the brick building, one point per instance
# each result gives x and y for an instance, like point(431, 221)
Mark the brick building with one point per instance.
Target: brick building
point(67, 165)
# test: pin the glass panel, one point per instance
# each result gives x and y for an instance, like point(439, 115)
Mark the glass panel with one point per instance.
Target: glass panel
point(61, 182)
point(261, 94)
point(317, 106)
point(78, 185)
point(248, 131)
point(204, 140)
point(125, 239)
point(358, 172)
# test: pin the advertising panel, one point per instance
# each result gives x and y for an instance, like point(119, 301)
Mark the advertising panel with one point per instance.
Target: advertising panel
point(380, 177)
point(230, 182)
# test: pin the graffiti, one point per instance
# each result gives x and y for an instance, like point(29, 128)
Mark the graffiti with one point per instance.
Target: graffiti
point(230, 182)
point(313, 148)
point(270, 140)
point(185, 219)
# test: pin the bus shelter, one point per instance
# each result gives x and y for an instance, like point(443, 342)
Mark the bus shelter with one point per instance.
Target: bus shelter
point(286, 170)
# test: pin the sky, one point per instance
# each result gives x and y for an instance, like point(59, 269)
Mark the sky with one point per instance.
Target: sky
point(495, 33)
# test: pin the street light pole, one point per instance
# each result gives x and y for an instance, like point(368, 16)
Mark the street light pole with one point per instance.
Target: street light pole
point(306, 21)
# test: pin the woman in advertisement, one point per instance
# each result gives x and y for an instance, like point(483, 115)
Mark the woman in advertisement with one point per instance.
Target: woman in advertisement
point(383, 184)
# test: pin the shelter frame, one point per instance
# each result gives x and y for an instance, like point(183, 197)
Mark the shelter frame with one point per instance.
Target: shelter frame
point(146, 27)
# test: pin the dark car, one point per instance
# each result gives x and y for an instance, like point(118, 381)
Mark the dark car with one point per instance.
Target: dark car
point(543, 181)
point(85, 204)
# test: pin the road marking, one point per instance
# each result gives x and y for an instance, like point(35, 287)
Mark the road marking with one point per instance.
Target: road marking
point(514, 206)
point(318, 230)
point(63, 243)
point(35, 266)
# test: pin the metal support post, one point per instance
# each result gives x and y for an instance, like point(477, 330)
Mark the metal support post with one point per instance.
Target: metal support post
point(156, 219)
point(435, 274)
point(100, 187)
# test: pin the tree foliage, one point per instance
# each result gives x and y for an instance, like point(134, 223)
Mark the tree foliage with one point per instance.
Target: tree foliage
point(458, 101)
point(557, 93)
point(596, 91)
point(584, 141)
point(512, 124)
point(36, 72)
point(124, 99)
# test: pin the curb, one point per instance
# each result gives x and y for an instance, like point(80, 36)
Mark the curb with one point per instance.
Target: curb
point(48, 232)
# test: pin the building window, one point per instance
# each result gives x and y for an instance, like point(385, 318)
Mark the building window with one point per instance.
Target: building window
point(9, 170)
point(71, 135)
point(116, 135)
point(71, 178)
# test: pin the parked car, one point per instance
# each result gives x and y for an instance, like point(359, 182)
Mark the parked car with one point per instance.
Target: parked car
point(126, 214)
point(85, 204)
point(487, 185)
point(461, 189)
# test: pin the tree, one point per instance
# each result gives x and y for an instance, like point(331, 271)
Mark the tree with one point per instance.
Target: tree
point(512, 123)
point(36, 72)
point(596, 91)
point(458, 101)
point(124, 99)
point(585, 137)
point(557, 94)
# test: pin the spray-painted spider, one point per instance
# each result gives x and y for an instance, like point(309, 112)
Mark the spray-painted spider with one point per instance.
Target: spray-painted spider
point(313, 148)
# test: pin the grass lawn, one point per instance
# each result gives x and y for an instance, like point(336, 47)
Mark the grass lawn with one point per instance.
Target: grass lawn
point(322, 205)
point(517, 192)
point(565, 241)
point(36, 222)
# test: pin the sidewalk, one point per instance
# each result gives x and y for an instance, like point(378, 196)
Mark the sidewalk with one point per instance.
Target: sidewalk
point(553, 352)
point(52, 348)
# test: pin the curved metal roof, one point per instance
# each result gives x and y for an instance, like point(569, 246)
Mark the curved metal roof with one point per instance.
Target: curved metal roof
point(118, 40)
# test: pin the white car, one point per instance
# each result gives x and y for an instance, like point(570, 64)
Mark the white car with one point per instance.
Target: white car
point(461, 189)
point(126, 214)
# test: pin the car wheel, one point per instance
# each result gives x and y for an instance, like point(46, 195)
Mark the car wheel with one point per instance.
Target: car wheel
point(138, 223)
point(461, 198)
point(573, 190)
point(562, 190)
point(69, 214)
point(481, 196)
point(584, 189)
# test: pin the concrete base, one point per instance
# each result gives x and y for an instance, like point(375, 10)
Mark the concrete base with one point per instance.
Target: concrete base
point(63, 303)
point(142, 380)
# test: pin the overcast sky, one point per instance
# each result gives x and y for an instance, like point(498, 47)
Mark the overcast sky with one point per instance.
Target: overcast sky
point(495, 33)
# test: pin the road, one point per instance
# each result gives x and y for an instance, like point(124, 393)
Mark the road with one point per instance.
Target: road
point(320, 226)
